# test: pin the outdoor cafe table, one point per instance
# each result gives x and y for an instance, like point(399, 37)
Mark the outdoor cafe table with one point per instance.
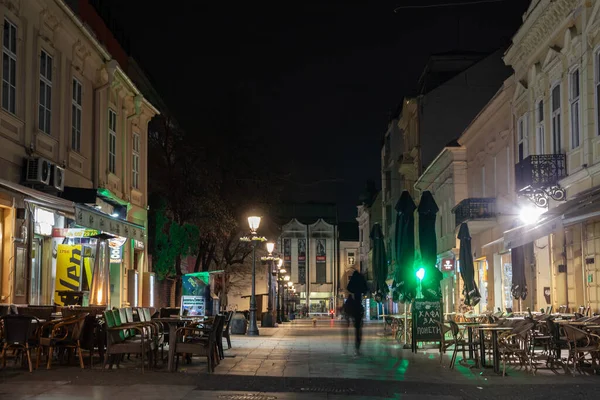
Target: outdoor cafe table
point(469, 326)
point(496, 354)
point(173, 323)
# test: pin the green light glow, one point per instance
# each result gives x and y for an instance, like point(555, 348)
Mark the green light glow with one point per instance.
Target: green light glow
point(421, 273)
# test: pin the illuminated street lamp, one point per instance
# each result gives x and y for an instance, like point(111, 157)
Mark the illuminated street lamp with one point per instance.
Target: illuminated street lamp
point(254, 223)
point(530, 214)
point(271, 261)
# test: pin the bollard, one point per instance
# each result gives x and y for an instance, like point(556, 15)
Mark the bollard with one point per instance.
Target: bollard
point(314, 321)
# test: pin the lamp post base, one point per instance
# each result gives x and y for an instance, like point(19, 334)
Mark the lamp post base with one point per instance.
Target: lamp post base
point(267, 320)
point(252, 327)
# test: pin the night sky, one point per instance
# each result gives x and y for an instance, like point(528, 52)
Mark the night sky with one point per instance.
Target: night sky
point(318, 79)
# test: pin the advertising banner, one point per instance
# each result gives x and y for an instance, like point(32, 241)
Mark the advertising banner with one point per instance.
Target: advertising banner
point(192, 306)
point(287, 250)
point(321, 257)
point(302, 261)
point(68, 271)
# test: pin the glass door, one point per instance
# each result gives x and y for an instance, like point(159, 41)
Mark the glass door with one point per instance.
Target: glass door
point(35, 288)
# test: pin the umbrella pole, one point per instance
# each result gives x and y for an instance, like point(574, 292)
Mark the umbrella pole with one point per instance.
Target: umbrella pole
point(405, 325)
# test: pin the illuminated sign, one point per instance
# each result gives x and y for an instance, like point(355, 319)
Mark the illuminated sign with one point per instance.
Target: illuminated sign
point(115, 247)
point(447, 264)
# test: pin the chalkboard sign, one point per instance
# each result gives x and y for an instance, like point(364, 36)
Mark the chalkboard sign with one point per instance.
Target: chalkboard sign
point(425, 318)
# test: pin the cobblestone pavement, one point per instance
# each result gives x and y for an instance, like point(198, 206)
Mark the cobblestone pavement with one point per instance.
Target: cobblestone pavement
point(299, 361)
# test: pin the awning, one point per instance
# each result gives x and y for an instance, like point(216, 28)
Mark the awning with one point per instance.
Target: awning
point(40, 198)
point(583, 206)
point(90, 218)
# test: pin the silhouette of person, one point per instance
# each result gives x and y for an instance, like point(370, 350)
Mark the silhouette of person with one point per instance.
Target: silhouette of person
point(355, 311)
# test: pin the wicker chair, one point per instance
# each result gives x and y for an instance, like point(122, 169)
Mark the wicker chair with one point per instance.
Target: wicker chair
point(65, 334)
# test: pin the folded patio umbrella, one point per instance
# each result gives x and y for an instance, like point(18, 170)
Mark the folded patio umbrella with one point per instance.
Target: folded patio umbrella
point(380, 264)
point(467, 271)
point(405, 281)
point(430, 286)
point(519, 283)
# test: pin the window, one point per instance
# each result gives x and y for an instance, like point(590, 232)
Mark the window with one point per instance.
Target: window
point(574, 99)
point(388, 214)
point(483, 181)
point(495, 177)
point(556, 139)
point(508, 168)
point(76, 116)
point(597, 93)
point(522, 137)
point(9, 67)
point(112, 141)
point(136, 161)
point(441, 218)
point(539, 127)
point(45, 105)
point(388, 184)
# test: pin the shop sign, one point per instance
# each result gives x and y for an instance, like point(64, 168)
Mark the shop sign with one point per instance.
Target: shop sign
point(74, 232)
point(138, 245)
point(105, 223)
point(447, 264)
point(115, 247)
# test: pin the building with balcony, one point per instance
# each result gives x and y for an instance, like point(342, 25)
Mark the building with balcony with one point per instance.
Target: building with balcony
point(489, 207)
point(555, 56)
point(73, 127)
point(446, 179)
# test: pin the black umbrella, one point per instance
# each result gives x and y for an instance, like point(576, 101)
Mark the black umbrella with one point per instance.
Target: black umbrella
point(467, 272)
point(519, 283)
point(430, 286)
point(405, 282)
point(380, 266)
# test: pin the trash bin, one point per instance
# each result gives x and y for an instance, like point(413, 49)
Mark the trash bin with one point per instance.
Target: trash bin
point(239, 324)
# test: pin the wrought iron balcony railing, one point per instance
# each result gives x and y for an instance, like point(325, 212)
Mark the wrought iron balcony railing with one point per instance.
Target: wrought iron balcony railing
point(540, 171)
point(474, 209)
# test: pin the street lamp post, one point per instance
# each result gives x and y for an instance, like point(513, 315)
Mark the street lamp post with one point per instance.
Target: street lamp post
point(267, 320)
point(254, 223)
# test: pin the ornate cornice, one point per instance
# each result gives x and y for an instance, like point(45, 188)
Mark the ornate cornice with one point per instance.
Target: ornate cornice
point(540, 30)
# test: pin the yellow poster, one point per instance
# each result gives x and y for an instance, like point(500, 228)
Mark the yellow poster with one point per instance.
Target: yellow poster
point(68, 270)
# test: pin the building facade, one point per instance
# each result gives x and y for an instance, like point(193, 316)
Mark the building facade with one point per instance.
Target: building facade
point(446, 179)
point(555, 58)
point(310, 252)
point(490, 206)
point(74, 130)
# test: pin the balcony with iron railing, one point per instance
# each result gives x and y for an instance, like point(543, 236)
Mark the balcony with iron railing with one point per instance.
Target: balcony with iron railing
point(537, 177)
point(479, 212)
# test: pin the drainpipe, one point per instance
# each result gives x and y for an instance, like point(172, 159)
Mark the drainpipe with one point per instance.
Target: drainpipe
point(583, 267)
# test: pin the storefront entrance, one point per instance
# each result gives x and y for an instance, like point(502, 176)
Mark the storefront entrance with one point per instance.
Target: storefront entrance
point(503, 298)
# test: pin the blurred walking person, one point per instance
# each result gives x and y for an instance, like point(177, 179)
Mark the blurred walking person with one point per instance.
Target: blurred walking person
point(358, 286)
point(345, 313)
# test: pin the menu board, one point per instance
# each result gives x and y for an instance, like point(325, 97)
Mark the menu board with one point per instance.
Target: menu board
point(425, 316)
point(192, 306)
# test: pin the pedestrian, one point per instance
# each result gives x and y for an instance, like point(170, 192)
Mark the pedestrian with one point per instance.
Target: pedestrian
point(345, 313)
point(355, 311)
point(358, 286)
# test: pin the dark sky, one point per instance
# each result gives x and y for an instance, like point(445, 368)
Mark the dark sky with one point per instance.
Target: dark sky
point(318, 77)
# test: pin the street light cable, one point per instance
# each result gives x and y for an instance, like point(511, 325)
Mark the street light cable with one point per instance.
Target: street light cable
point(462, 3)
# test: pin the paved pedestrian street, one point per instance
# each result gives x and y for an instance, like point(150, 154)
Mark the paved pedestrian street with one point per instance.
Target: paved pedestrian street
point(299, 361)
